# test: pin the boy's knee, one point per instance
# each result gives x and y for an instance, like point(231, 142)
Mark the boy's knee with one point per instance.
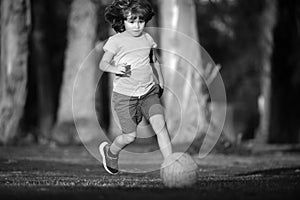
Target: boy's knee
point(130, 137)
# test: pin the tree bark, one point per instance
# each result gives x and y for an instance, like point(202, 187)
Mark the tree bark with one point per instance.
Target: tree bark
point(40, 64)
point(267, 23)
point(81, 40)
point(15, 24)
point(285, 92)
point(182, 65)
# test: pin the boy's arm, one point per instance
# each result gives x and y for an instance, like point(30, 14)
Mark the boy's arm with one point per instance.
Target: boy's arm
point(106, 64)
point(157, 68)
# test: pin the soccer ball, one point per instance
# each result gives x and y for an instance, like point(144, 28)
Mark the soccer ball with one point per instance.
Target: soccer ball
point(179, 170)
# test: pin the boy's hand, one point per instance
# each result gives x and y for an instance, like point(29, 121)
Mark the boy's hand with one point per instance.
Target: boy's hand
point(124, 70)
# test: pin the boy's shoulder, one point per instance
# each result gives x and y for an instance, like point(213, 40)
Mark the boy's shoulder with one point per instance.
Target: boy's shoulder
point(114, 39)
point(119, 37)
point(150, 40)
point(115, 36)
point(148, 36)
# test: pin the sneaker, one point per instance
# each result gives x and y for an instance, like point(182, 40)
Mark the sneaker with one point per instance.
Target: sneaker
point(110, 163)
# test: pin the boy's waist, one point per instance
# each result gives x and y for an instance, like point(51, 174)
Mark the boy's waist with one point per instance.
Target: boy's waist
point(133, 89)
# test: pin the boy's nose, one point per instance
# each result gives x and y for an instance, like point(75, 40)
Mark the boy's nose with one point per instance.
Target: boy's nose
point(137, 25)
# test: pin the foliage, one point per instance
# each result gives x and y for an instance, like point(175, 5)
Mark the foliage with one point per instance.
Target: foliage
point(229, 31)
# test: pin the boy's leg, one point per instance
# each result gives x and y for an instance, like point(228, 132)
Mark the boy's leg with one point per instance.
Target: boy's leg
point(110, 153)
point(110, 161)
point(153, 112)
point(125, 109)
point(121, 141)
point(159, 126)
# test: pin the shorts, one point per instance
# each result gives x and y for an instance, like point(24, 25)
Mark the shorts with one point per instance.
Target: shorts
point(131, 110)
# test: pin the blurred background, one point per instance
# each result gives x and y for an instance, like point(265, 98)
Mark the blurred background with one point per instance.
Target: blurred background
point(256, 43)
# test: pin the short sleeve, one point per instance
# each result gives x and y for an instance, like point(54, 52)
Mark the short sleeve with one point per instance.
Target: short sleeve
point(111, 45)
point(152, 42)
point(99, 45)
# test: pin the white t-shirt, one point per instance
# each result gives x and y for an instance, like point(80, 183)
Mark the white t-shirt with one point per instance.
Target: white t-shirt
point(132, 51)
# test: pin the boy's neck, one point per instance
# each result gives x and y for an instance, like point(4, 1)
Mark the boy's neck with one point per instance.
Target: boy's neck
point(126, 33)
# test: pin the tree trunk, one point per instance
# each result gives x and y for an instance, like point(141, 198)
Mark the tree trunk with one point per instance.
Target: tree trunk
point(78, 81)
point(15, 24)
point(40, 64)
point(182, 68)
point(267, 23)
point(285, 86)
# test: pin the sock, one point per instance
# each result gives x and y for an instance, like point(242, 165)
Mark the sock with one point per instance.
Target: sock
point(111, 154)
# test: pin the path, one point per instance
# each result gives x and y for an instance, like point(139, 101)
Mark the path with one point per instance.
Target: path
point(71, 172)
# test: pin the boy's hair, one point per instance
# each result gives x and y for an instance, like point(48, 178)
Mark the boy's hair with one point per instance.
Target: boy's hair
point(118, 11)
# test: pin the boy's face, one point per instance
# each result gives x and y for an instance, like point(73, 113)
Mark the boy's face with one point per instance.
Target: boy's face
point(134, 25)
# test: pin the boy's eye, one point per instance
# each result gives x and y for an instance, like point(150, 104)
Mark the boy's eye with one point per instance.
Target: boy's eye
point(133, 21)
